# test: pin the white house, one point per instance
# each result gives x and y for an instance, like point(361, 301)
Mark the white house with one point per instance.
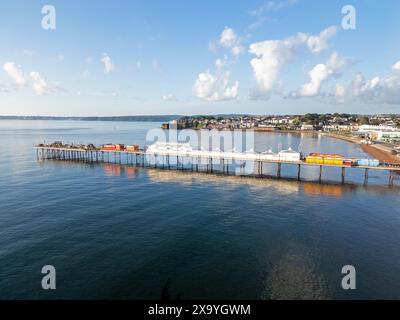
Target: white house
point(307, 127)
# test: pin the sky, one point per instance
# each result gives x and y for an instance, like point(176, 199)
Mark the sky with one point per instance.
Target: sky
point(110, 58)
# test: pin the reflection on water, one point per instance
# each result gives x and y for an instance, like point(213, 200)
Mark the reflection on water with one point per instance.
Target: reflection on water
point(117, 170)
point(295, 276)
point(323, 189)
point(111, 170)
point(280, 185)
point(183, 177)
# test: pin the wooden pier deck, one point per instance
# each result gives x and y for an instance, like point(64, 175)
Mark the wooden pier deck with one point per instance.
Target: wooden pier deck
point(195, 158)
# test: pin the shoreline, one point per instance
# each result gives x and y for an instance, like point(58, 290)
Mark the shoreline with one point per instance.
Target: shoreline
point(378, 151)
point(381, 153)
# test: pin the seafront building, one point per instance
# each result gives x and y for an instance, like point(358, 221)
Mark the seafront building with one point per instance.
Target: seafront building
point(383, 133)
point(372, 128)
point(339, 127)
point(307, 127)
point(388, 136)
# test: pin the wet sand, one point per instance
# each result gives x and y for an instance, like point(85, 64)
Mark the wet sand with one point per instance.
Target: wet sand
point(342, 137)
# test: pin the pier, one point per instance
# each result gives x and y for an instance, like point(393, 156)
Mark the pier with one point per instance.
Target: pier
point(199, 161)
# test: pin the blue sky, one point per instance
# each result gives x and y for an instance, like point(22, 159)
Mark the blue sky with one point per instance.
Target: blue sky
point(199, 57)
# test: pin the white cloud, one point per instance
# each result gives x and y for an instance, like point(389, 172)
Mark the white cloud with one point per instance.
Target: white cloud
point(88, 60)
point(340, 93)
point(361, 86)
point(41, 86)
point(220, 63)
point(320, 42)
point(108, 65)
point(272, 55)
point(260, 14)
point(215, 87)
point(169, 97)
point(396, 66)
point(321, 73)
point(271, 6)
point(15, 71)
point(378, 89)
point(39, 83)
point(229, 39)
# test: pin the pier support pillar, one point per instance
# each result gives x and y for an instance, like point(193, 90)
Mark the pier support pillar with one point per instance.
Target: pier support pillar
point(298, 172)
point(343, 174)
point(259, 169)
point(391, 178)
point(366, 176)
point(320, 174)
point(278, 174)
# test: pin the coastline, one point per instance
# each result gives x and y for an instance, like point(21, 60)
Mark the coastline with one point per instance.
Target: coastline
point(378, 151)
point(342, 137)
point(381, 153)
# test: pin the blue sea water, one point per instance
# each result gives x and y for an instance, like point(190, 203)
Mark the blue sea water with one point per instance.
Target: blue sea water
point(120, 232)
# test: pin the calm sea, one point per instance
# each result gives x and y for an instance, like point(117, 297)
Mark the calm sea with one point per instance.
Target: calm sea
point(115, 231)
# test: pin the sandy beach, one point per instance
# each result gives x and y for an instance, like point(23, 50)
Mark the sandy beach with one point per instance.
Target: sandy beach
point(381, 153)
point(378, 151)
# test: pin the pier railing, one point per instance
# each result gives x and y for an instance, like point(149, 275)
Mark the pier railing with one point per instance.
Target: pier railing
point(195, 159)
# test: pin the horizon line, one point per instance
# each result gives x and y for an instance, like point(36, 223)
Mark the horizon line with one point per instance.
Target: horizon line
point(194, 115)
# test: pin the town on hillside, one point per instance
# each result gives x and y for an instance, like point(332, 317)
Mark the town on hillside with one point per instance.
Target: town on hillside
point(385, 128)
